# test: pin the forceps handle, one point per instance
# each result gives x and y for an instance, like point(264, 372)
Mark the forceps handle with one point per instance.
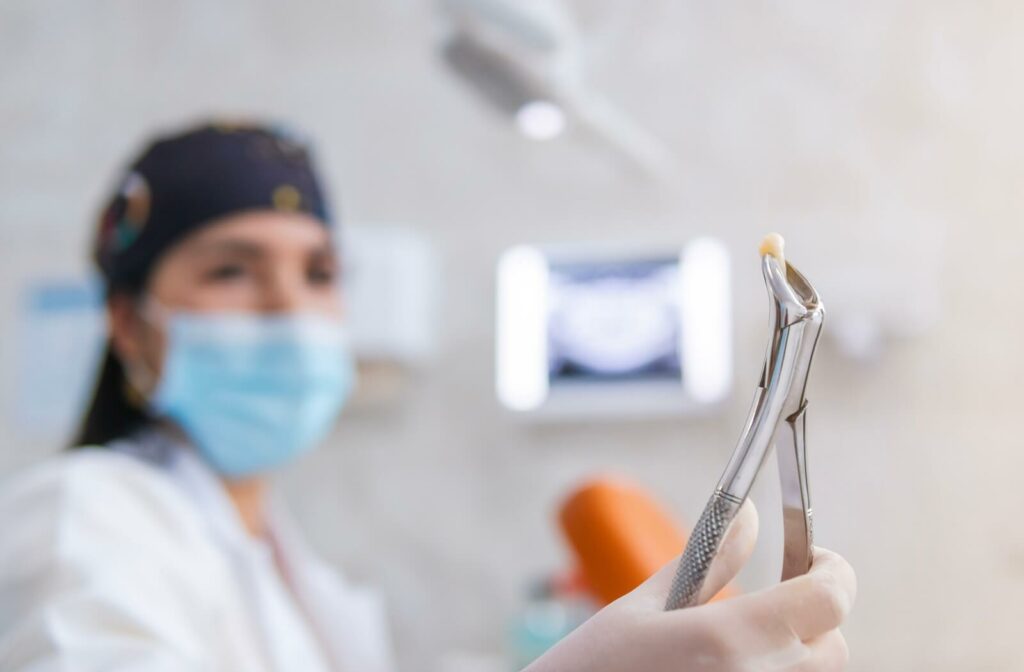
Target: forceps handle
point(797, 517)
point(701, 550)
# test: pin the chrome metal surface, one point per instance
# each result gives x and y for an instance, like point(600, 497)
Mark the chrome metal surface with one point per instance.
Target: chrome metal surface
point(777, 417)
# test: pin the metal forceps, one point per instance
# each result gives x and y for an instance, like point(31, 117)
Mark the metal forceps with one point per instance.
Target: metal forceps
point(777, 416)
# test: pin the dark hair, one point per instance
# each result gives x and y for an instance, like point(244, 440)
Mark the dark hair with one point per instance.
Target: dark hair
point(114, 412)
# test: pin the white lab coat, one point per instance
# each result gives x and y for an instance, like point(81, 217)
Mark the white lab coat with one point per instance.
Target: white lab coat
point(133, 558)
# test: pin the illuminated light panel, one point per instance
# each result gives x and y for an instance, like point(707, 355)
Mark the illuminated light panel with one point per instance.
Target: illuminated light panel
point(705, 337)
point(522, 371)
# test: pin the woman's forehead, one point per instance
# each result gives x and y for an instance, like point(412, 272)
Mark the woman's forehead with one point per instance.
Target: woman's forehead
point(266, 231)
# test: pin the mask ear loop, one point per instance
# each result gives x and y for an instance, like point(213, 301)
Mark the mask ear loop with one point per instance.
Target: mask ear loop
point(141, 381)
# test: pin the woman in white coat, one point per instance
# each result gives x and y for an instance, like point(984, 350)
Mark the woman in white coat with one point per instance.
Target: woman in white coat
point(158, 544)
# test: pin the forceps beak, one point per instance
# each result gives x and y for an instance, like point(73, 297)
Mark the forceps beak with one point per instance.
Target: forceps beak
point(793, 299)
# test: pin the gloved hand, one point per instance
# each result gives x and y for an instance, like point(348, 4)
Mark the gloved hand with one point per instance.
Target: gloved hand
point(792, 626)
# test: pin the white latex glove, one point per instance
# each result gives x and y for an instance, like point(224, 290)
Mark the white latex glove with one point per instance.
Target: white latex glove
point(792, 626)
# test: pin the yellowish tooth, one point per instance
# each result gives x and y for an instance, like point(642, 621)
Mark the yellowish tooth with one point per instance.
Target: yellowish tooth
point(774, 245)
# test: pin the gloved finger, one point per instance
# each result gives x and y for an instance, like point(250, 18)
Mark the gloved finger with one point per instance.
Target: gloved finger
point(812, 604)
point(826, 653)
point(733, 553)
point(735, 550)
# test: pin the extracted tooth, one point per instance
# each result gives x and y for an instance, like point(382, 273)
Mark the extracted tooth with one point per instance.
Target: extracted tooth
point(774, 245)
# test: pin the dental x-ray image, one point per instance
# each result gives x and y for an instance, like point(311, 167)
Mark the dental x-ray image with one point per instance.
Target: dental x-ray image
point(615, 320)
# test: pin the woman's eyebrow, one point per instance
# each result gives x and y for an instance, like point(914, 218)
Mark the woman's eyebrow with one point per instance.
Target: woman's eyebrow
point(233, 248)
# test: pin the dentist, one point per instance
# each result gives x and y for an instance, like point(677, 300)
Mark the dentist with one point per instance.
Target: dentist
point(158, 544)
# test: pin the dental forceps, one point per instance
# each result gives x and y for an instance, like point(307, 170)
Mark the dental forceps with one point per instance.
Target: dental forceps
point(778, 416)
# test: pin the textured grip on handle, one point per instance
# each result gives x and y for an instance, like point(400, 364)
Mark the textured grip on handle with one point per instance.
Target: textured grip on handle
point(701, 550)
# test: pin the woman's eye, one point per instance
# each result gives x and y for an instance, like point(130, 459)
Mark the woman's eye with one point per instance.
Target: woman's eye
point(322, 275)
point(226, 272)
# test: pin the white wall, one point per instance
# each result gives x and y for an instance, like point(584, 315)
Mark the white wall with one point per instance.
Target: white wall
point(883, 138)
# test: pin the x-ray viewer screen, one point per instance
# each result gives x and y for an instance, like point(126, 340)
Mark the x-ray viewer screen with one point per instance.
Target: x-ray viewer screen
point(614, 321)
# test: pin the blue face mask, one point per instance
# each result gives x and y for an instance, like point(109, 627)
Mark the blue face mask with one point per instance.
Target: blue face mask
point(253, 392)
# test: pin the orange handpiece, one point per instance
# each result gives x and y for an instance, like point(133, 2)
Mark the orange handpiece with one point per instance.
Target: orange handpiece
point(620, 536)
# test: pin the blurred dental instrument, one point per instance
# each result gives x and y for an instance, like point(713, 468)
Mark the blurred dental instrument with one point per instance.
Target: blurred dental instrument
point(778, 416)
point(526, 59)
point(554, 607)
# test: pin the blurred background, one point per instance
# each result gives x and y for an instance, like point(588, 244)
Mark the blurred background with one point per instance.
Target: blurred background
point(884, 140)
